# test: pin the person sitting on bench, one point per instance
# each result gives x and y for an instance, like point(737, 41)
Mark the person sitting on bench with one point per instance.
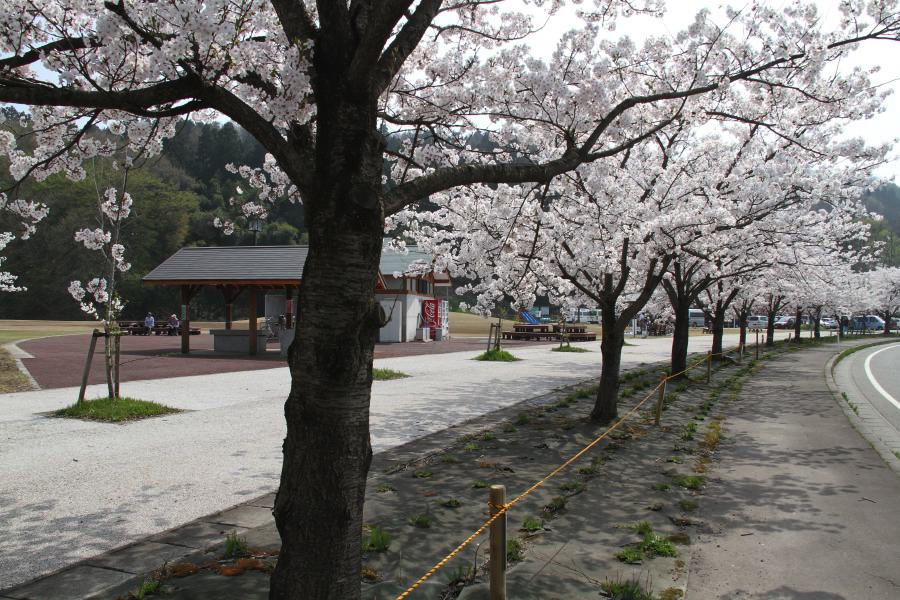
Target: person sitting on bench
point(149, 323)
point(172, 325)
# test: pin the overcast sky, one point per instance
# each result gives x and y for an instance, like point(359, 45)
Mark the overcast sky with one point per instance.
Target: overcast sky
point(885, 127)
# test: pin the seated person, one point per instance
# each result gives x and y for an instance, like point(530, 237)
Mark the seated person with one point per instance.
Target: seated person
point(172, 325)
point(149, 323)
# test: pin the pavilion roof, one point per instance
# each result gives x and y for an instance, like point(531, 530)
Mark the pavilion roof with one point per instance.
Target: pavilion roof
point(273, 266)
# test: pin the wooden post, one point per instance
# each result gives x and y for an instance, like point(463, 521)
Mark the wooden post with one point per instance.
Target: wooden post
point(496, 500)
point(662, 398)
point(229, 312)
point(87, 364)
point(757, 344)
point(289, 307)
point(118, 339)
point(708, 365)
point(185, 319)
point(253, 348)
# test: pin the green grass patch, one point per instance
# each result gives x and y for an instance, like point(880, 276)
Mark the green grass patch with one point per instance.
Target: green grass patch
point(148, 587)
point(235, 546)
point(420, 521)
point(515, 552)
point(689, 482)
point(387, 374)
point(385, 488)
point(375, 539)
point(532, 524)
point(11, 378)
point(497, 356)
point(480, 484)
point(111, 410)
point(451, 503)
point(626, 590)
point(662, 487)
point(569, 349)
point(555, 505)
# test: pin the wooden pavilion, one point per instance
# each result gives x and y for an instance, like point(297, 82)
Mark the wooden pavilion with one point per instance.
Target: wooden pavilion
point(231, 269)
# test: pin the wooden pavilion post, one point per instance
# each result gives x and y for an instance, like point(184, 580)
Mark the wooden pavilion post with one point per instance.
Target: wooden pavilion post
point(252, 331)
point(289, 306)
point(230, 292)
point(187, 293)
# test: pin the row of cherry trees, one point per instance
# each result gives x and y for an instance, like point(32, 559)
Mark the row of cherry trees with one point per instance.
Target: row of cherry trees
point(614, 165)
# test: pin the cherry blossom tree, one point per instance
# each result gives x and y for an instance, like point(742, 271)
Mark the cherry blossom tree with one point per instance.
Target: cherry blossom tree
point(315, 82)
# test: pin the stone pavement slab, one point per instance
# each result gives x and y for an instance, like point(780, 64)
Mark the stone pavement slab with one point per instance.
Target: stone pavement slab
point(81, 581)
point(799, 506)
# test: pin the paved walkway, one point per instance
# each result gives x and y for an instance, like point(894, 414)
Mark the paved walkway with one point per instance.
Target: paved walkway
point(72, 489)
point(799, 506)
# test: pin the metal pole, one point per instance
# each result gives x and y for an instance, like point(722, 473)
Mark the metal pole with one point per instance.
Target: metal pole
point(496, 501)
point(662, 398)
point(87, 365)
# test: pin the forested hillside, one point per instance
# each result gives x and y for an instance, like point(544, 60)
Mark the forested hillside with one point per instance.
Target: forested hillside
point(176, 198)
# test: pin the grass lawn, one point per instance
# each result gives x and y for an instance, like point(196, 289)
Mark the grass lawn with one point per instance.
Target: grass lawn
point(112, 410)
point(387, 374)
point(11, 379)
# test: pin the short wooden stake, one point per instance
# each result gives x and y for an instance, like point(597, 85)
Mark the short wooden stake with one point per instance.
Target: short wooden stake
point(496, 501)
point(708, 366)
point(662, 398)
point(87, 365)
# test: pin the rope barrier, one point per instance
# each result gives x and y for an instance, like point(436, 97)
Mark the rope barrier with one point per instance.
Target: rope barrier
point(504, 508)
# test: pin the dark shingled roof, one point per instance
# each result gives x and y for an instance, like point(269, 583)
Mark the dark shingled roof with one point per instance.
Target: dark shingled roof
point(260, 265)
point(250, 264)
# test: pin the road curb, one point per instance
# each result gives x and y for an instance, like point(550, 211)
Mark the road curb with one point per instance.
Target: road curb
point(860, 425)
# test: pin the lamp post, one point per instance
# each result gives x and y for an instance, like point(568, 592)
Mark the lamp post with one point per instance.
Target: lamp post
point(254, 225)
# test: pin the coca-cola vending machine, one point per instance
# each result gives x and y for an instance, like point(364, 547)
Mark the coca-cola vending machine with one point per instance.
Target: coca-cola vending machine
point(430, 319)
point(436, 318)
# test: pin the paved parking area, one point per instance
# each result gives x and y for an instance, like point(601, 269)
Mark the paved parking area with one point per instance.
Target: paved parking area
point(72, 489)
point(56, 362)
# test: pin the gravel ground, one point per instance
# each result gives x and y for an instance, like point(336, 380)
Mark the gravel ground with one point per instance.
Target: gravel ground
point(71, 489)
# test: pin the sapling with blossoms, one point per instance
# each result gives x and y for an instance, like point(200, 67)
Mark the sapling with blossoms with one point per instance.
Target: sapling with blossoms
point(314, 82)
point(98, 297)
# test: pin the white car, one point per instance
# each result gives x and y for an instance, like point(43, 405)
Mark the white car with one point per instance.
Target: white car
point(757, 322)
point(827, 323)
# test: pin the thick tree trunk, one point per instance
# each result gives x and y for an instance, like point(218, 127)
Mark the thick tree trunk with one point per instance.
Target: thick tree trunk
point(327, 451)
point(718, 330)
point(817, 323)
point(742, 323)
point(681, 337)
point(770, 328)
point(612, 339)
point(798, 322)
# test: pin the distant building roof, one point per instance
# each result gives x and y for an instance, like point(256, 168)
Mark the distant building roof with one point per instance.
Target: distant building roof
point(259, 265)
point(255, 265)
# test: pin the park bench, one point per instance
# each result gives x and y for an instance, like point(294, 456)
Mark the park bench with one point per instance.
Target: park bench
point(138, 328)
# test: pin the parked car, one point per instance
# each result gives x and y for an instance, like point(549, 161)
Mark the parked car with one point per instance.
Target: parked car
point(827, 323)
point(785, 323)
point(757, 322)
point(696, 317)
point(868, 323)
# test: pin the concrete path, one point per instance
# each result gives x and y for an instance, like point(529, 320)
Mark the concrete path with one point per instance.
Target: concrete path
point(72, 489)
point(799, 506)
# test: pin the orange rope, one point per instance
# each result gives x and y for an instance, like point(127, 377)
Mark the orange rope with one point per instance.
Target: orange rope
point(502, 510)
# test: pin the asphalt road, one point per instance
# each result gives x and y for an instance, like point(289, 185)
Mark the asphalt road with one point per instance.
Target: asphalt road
point(876, 374)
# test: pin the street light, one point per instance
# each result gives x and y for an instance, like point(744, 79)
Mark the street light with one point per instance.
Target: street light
point(254, 225)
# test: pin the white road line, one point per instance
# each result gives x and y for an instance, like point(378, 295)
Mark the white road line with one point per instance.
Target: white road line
point(872, 379)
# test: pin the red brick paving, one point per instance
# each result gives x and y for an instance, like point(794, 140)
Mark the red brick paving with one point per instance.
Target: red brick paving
point(59, 361)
